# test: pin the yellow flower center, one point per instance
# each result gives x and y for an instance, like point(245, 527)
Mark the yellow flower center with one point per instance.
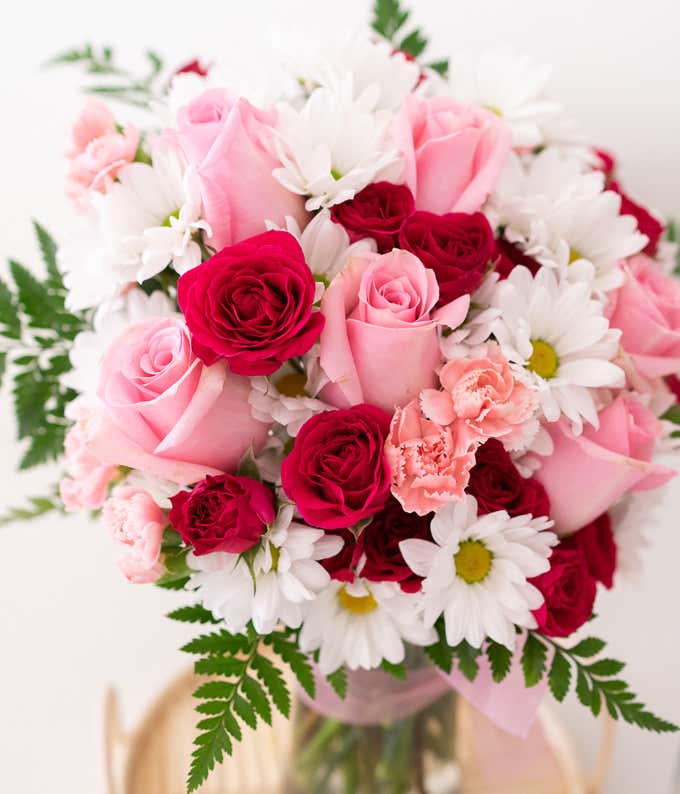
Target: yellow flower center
point(167, 221)
point(357, 605)
point(574, 255)
point(473, 561)
point(292, 385)
point(493, 109)
point(336, 174)
point(276, 556)
point(543, 360)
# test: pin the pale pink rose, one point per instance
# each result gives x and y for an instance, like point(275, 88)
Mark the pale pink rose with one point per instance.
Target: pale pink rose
point(99, 150)
point(165, 412)
point(136, 522)
point(586, 474)
point(428, 469)
point(87, 484)
point(454, 153)
point(482, 399)
point(228, 143)
point(647, 310)
point(380, 341)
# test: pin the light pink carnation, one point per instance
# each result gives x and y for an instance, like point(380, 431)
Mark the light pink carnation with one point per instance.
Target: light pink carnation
point(482, 399)
point(428, 467)
point(137, 523)
point(99, 150)
point(87, 484)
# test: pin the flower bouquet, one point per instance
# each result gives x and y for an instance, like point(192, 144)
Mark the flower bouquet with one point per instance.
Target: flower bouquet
point(374, 371)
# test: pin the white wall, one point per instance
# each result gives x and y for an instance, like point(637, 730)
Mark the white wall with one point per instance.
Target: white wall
point(69, 626)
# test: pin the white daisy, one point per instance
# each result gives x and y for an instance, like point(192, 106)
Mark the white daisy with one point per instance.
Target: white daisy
point(284, 399)
point(558, 334)
point(362, 623)
point(476, 572)
point(478, 324)
point(513, 87)
point(334, 146)
point(326, 244)
point(561, 215)
point(373, 65)
point(110, 320)
point(267, 584)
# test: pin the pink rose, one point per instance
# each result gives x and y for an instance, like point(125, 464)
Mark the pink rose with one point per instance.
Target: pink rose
point(99, 150)
point(647, 310)
point(136, 522)
point(229, 144)
point(481, 398)
point(87, 485)
point(168, 414)
point(454, 153)
point(586, 474)
point(428, 469)
point(380, 342)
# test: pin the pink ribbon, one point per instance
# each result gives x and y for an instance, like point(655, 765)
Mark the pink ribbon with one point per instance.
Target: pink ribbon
point(375, 697)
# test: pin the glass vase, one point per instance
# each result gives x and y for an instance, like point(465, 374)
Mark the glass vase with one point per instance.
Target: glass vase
point(387, 737)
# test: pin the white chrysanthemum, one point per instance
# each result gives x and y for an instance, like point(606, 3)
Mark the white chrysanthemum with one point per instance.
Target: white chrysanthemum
point(512, 86)
point(334, 146)
point(290, 408)
point(110, 320)
point(362, 623)
point(478, 324)
point(476, 572)
point(326, 244)
point(561, 215)
point(373, 66)
point(282, 574)
point(558, 334)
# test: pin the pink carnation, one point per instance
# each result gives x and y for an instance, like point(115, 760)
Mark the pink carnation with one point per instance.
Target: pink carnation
point(87, 484)
point(482, 399)
point(99, 150)
point(428, 467)
point(136, 522)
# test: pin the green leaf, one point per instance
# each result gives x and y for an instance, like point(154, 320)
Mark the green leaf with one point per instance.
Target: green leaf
point(273, 680)
point(441, 67)
point(441, 653)
point(218, 643)
point(467, 659)
point(295, 659)
point(590, 646)
point(220, 690)
point(559, 677)
point(414, 44)
point(212, 746)
point(172, 581)
point(605, 667)
point(672, 415)
point(48, 248)
point(46, 444)
point(219, 665)
point(245, 711)
point(195, 613)
point(253, 691)
point(397, 671)
point(34, 298)
point(38, 506)
point(338, 680)
point(10, 324)
point(533, 660)
point(583, 688)
point(500, 660)
point(388, 18)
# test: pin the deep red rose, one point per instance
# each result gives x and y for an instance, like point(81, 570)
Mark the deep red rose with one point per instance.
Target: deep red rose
point(342, 565)
point(647, 223)
point(673, 383)
point(223, 513)
point(380, 541)
point(251, 303)
point(458, 246)
point(378, 211)
point(337, 473)
point(569, 592)
point(193, 67)
point(496, 484)
point(606, 163)
point(596, 541)
point(509, 256)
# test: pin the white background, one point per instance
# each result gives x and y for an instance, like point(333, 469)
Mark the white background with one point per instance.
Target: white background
point(68, 625)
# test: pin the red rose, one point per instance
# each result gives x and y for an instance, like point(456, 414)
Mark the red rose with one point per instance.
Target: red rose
point(496, 484)
point(380, 541)
point(511, 256)
point(673, 383)
point(647, 223)
point(342, 565)
point(378, 211)
point(458, 246)
point(596, 541)
point(606, 163)
point(251, 303)
point(569, 592)
point(337, 473)
point(223, 513)
point(193, 67)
